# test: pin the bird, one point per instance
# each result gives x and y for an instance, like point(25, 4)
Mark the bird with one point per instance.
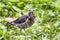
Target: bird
point(25, 21)
point(28, 23)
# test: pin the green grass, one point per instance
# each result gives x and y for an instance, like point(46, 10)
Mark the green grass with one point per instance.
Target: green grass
point(46, 26)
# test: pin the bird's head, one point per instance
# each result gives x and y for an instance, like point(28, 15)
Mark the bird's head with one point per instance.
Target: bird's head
point(31, 11)
point(32, 16)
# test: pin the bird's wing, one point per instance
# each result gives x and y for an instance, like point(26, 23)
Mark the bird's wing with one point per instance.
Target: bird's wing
point(20, 20)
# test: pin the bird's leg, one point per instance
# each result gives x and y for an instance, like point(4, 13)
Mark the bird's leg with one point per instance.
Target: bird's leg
point(20, 31)
point(24, 31)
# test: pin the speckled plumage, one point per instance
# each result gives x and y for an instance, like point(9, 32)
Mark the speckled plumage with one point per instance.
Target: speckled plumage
point(25, 21)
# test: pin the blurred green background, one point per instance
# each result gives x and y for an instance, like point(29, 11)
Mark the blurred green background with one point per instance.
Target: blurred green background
point(46, 26)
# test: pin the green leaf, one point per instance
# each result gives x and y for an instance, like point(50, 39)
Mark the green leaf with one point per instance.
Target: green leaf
point(1, 32)
point(16, 8)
